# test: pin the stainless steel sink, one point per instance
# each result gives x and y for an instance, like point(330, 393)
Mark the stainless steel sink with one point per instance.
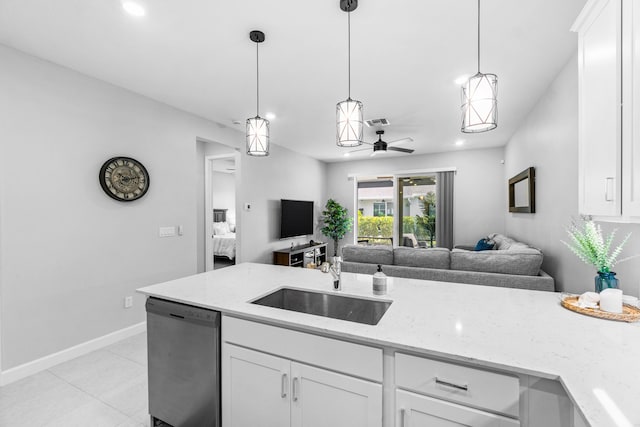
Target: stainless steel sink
point(328, 305)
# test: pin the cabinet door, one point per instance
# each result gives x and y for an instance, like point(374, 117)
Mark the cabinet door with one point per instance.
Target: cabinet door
point(600, 139)
point(414, 410)
point(321, 398)
point(631, 110)
point(255, 388)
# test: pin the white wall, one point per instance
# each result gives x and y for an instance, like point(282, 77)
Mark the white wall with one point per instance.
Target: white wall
point(224, 194)
point(69, 253)
point(262, 182)
point(548, 140)
point(478, 210)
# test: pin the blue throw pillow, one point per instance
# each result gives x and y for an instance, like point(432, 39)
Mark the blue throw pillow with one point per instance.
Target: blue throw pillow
point(484, 245)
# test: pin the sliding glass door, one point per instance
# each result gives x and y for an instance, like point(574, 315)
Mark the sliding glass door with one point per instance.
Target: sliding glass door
point(417, 211)
point(375, 211)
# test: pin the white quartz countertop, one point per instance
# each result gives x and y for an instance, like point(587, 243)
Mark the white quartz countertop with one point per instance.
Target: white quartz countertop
point(597, 361)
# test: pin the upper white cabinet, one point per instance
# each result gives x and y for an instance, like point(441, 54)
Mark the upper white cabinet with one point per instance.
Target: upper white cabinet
point(609, 93)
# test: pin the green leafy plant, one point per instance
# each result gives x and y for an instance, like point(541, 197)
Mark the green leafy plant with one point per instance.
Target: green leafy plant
point(588, 243)
point(337, 222)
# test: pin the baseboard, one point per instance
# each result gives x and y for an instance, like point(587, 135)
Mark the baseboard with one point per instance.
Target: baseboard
point(30, 368)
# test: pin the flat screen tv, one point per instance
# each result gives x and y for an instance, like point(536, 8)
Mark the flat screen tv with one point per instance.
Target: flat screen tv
point(296, 218)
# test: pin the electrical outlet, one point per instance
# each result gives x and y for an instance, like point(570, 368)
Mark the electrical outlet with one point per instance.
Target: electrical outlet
point(128, 302)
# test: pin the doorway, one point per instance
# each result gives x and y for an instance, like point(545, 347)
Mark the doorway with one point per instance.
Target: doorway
point(221, 249)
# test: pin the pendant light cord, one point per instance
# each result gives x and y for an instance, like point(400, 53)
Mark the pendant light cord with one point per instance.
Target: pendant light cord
point(257, 82)
point(349, 49)
point(478, 36)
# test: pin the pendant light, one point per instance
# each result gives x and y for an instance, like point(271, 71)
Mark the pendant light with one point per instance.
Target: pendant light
point(349, 123)
point(479, 99)
point(257, 127)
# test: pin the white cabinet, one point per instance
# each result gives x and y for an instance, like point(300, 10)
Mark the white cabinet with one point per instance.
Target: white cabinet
point(259, 389)
point(631, 109)
point(415, 410)
point(273, 382)
point(255, 389)
point(323, 398)
point(609, 93)
point(435, 393)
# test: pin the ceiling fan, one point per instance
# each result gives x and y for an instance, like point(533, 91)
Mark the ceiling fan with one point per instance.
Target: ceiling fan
point(381, 146)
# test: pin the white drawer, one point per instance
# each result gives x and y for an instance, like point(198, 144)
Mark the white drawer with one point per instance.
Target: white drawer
point(469, 386)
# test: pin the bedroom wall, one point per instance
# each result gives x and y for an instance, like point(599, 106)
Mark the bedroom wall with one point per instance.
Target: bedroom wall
point(548, 140)
point(262, 182)
point(224, 194)
point(479, 189)
point(70, 254)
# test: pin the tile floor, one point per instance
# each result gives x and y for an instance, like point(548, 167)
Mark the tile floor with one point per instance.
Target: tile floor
point(105, 388)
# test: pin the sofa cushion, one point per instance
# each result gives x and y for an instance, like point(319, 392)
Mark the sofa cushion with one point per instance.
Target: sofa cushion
point(368, 254)
point(523, 261)
point(426, 258)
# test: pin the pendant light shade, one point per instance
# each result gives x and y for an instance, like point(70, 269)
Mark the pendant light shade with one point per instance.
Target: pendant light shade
point(480, 103)
point(349, 122)
point(480, 99)
point(257, 134)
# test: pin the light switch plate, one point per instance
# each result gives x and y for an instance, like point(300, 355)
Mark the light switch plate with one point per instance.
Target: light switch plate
point(167, 231)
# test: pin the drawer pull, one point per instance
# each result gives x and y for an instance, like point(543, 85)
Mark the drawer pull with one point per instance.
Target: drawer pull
point(463, 387)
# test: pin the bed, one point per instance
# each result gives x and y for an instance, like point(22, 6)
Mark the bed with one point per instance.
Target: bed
point(224, 236)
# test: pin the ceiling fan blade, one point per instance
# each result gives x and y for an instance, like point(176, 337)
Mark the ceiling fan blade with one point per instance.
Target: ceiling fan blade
point(400, 141)
point(360, 149)
point(402, 150)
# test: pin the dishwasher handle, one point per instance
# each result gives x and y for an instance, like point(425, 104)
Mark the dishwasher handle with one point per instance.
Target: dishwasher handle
point(178, 311)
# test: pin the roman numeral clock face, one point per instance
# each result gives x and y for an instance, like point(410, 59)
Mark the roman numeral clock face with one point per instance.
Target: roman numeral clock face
point(124, 179)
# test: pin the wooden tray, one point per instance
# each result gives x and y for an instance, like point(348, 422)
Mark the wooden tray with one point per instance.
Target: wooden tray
point(629, 312)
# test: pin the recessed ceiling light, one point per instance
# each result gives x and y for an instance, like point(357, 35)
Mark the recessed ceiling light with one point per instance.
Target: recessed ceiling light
point(462, 79)
point(133, 8)
point(460, 142)
point(269, 116)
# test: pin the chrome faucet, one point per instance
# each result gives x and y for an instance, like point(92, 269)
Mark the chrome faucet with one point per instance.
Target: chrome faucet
point(336, 270)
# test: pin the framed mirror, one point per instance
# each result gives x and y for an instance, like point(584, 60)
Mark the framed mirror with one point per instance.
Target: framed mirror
point(522, 192)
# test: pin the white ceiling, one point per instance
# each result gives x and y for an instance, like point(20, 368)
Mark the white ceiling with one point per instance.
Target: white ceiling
point(196, 55)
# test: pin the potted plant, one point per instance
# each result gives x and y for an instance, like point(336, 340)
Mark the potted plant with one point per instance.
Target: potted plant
point(588, 243)
point(337, 222)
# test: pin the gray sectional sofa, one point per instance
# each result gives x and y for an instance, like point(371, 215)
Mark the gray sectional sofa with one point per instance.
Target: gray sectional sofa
point(510, 264)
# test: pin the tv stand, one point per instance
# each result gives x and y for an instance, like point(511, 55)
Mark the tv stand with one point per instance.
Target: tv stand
point(301, 255)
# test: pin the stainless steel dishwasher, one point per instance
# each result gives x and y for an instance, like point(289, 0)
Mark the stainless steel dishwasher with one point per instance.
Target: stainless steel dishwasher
point(183, 344)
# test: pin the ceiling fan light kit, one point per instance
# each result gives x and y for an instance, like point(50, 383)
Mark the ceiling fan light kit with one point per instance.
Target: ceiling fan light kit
point(257, 134)
point(480, 99)
point(349, 117)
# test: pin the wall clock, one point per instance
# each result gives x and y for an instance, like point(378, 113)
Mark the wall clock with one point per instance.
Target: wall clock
point(124, 179)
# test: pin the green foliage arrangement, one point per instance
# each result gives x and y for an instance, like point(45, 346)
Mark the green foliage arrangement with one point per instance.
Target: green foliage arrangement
point(337, 222)
point(588, 243)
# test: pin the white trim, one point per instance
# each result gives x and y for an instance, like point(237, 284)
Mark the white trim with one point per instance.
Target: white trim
point(35, 366)
point(403, 173)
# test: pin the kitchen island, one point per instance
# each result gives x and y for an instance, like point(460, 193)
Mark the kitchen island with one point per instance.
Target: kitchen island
point(526, 333)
